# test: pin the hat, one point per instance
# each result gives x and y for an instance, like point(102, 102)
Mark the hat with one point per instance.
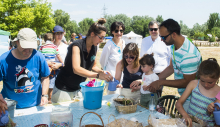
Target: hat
point(80, 34)
point(27, 38)
point(58, 29)
point(15, 39)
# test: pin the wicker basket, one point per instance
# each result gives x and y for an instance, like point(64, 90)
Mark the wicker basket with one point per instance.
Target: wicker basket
point(91, 125)
point(197, 121)
point(122, 123)
point(125, 109)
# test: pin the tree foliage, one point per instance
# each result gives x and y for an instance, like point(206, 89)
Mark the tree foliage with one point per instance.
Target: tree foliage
point(85, 25)
point(18, 14)
point(213, 21)
point(159, 19)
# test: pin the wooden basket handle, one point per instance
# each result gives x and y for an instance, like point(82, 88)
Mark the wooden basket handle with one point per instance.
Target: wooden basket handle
point(121, 95)
point(201, 115)
point(93, 113)
point(129, 100)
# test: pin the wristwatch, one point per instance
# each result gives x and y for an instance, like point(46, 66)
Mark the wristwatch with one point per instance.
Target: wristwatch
point(44, 95)
point(97, 76)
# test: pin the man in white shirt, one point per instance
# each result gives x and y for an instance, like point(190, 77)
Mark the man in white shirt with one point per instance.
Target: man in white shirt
point(153, 44)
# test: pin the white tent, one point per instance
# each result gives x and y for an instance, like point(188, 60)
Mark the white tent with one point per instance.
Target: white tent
point(132, 37)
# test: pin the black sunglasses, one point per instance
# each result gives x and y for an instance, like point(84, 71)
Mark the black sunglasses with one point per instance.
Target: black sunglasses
point(165, 37)
point(130, 57)
point(102, 38)
point(153, 29)
point(121, 31)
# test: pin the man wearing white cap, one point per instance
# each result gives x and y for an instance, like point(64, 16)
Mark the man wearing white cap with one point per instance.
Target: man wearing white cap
point(24, 72)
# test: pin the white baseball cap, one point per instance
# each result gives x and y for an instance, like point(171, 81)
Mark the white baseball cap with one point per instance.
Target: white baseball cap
point(27, 38)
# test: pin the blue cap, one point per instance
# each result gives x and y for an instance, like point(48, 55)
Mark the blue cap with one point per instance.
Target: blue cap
point(152, 94)
point(58, 29)
point(80, 34)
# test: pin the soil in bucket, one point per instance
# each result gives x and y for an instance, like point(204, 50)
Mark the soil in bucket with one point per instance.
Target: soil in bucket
point(92, 96)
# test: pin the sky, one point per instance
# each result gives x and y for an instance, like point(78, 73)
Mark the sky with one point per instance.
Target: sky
point(189, 11)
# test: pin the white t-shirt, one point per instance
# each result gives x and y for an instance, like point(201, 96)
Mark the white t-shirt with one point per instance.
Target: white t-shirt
point(62, 51)
point(147, 80)
point(111, 55)
point(161, 52)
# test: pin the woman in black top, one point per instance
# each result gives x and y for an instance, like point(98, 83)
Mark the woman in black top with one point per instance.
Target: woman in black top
point(80, 60)
point(131, 68)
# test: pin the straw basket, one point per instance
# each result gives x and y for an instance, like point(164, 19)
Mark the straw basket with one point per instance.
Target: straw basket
point(122, 123)
point(125, 109)
point(198, 122)
point(91, 125)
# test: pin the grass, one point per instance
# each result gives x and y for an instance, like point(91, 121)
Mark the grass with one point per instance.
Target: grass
point(207, 52)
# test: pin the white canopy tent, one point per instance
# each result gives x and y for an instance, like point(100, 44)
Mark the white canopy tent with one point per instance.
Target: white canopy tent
point(132, 38)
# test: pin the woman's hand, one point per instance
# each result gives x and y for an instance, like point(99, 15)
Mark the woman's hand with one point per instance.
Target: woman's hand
point(107, 77)
point(119, 86)
point(135, 85)
point(188, 120)
point(56, 66)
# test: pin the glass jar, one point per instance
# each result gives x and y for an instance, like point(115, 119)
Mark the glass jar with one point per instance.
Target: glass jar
point(61, 116)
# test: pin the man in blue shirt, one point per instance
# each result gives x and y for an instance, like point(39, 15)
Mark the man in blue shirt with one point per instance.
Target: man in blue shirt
point(24, 72)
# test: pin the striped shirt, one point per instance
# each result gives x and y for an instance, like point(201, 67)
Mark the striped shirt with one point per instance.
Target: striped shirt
point(187, 60)
point(49, 51)
point(199, 104)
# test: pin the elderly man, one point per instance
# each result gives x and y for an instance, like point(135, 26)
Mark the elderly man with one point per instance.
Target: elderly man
point(154, 44)
point(24, 72)
point(185, 61)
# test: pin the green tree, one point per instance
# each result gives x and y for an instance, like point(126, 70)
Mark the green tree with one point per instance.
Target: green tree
point(216, 31)
point(159, 19)
point(213, 21)
point(85, 25)
point(184, 29)
point(17, 14)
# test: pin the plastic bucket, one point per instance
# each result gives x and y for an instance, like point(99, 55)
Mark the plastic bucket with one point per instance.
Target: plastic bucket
point(11, 104)
point(217, 114)
point(92, 96)
point(112, 85)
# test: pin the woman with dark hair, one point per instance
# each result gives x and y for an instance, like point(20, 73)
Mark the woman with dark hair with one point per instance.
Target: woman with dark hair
point(131, 69)
point(80, 60)
point(112, 51)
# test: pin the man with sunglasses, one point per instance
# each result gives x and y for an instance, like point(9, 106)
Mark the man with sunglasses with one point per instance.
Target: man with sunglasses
point(185, 61)
point(154, 44)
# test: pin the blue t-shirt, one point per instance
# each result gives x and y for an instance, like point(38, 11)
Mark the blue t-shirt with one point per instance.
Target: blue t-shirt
point(22, 78)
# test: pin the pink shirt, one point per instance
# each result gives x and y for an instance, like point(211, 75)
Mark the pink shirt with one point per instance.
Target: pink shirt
point(218, 96)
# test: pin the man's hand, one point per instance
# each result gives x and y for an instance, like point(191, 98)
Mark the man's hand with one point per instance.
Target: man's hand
point(44, 100)
point(154, 86)
point(3, 104)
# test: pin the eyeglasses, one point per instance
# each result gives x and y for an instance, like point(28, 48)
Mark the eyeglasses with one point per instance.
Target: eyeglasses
point(130, 57)
point(102, 38)
point(121, 31)
point(153, 29)
point(165, 37)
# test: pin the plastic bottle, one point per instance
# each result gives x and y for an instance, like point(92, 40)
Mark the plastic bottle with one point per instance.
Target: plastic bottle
point(152, 104)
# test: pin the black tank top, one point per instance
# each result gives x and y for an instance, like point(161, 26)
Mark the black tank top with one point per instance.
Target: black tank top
point(129, 78)
point(67, 80)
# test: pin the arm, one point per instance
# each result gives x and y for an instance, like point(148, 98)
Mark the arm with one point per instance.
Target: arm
point(77, 69)
point(185, 95)
point(118, 72)
point(167, 71)
point(59, 58)
point(45, 88)
point(105, 56)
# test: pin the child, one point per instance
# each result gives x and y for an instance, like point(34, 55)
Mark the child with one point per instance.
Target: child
point(203, 92)
point(211, 106)
point(49, 50)
point(147, 63)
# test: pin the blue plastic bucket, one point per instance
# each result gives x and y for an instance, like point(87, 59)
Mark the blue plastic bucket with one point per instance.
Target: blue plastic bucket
point(217, 114)
point(92, 96)
point(112, 85)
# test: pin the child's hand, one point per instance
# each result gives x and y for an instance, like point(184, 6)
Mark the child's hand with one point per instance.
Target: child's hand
point(211, 108)
point(218, 101)
point(119, 86)
point(145, 87)
point(188, 120)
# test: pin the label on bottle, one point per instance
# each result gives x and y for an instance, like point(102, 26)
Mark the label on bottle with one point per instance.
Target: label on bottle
point(152, 107)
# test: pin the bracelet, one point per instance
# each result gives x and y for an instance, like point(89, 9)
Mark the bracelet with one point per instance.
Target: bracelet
point(97, 76)
point(44, 95)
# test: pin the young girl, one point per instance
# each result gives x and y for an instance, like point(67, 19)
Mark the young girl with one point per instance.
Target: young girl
point(147, 63)
point(211, 106)
point(130, 66)
point(203, 92)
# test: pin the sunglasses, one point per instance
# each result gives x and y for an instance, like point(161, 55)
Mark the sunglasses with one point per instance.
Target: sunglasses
point(121, 31)
point(153, 29)
point(165, 37)
point(102, 38)
point(130, 57)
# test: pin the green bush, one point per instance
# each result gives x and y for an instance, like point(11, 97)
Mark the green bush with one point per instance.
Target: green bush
point(212, 39)
point(101, 45)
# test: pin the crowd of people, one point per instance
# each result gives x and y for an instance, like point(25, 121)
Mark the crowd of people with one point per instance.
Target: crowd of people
point(52, 72)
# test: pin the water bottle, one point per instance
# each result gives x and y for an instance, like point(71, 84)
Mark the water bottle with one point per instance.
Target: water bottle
point(152, 104)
